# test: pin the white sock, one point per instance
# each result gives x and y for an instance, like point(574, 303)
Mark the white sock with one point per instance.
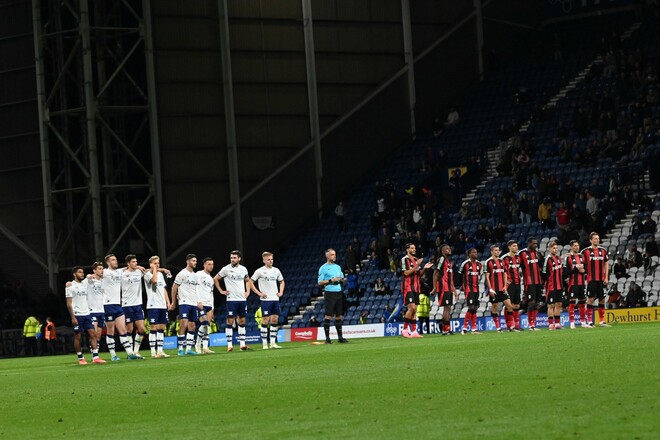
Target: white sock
point(137, 342)
point(241, 335)
point(126, 343)
point(229, 332)
point(160, 341)
point(264, 334)
point(190, 341)
point(110, 341)
point(152, 341)
point(273, 334)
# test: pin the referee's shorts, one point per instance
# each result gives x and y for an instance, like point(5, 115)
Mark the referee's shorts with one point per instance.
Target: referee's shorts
point(334, 303)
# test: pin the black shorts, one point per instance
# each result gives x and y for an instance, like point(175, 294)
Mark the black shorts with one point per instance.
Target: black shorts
point(514, 293)
point(446, 299)
point(334, 303)
point(411, 298)
point(577, 292)
point(595, 290)
point(534, 292)
point(554, 297)
point(498, 297)
point(472, 299)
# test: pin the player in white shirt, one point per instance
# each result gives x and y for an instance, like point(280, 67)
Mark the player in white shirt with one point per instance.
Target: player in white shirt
point(95, 299)
point(158, 303)
point(267, 278)
point(237, 281)
point(131, 301)
point(76, 302)
point(205, 295)
point(114, 314)
point(184, 292)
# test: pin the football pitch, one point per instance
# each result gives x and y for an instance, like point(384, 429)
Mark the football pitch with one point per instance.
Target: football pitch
point(587, 383)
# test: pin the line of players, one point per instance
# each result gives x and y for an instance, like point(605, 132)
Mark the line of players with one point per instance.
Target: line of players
point(581, 276)
point(111, 298)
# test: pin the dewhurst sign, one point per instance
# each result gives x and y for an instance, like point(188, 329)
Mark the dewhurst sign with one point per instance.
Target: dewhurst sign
point(633, 316)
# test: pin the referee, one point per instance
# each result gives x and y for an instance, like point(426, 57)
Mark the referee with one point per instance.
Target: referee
point(330, 279)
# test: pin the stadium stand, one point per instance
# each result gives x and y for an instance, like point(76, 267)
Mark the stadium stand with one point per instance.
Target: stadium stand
point(540, 96)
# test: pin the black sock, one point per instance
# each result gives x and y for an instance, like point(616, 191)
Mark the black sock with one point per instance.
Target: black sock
point(326, 327)
point(338, 327)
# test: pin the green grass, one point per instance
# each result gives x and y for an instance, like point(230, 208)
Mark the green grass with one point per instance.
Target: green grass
point(600, 383)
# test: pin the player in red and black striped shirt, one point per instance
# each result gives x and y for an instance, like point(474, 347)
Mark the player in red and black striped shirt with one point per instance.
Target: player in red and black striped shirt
point(574, 269)
point(443, 284)
point(512, 265)
point(412, 270)
point(598, 273)
point(553, 270)
point(531, 261)
point(470, 272)
point(497, 282)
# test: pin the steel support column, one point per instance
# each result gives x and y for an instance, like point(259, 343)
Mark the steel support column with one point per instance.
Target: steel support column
point(51, 261)
point(312, 100)
point(230, 121)
point(157, 180)
point(98, 132)
point(479, 20)
point(409, 61)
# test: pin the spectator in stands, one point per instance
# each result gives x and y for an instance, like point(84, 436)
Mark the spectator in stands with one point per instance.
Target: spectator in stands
point(591, 205)
point(650, 226)
point(634, 258)
point(417, 214)
point(340, 214)
point(613, 298)
point(651, 246)
point(351, 258)
point(563, 216)
point(523, 207)
point(313, 322)
point(380, 288)
point(544, 213)
point(452, 118)
point(636, 229)
point(456, 186)
point(619, 269)
point(352, 283)
point(636, 297)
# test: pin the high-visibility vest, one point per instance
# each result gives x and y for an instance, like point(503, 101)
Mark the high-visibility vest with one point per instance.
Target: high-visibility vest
point(30, 327)
point(50, 331)
point(424, 306)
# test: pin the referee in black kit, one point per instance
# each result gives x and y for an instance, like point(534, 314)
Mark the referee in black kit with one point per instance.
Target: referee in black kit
point(331, 279)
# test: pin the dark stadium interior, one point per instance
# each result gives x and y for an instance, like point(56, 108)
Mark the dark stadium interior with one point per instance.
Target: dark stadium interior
point(165, 127)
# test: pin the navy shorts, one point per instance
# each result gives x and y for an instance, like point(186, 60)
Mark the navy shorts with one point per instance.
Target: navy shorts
point(188, 312)
point(112, 312)
point(84, 324)
point(98, 318)
point(133, 314)
point(157, 316)
point(236, 308)
point(270, 308)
